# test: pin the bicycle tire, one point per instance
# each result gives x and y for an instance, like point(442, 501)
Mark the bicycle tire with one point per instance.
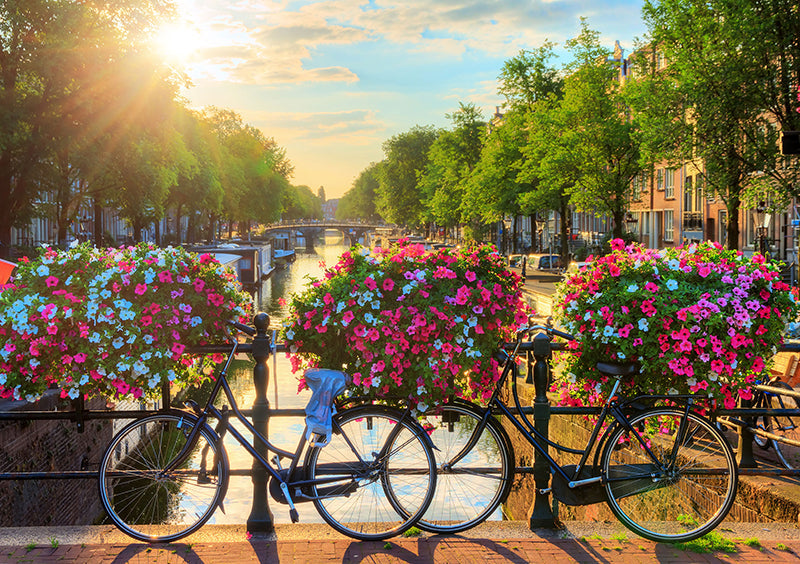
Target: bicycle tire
point(787, 426)
point(676, 498)
point(762, 421)
point(472, 490)
point(150, 506)
point(353, 497)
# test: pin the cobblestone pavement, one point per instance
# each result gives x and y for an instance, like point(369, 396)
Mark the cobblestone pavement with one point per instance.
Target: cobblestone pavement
point(441, 549)
point(317, 544)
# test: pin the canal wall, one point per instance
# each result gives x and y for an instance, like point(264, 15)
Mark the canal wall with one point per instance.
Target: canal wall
point(759, 498)
point(57, 446)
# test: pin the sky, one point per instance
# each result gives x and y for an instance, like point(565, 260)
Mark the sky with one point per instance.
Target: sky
point(332, 80)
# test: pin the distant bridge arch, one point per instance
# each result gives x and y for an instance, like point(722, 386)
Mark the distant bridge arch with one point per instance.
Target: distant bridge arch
point(311, 230)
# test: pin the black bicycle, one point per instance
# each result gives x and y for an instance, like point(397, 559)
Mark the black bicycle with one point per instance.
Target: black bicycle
point(163, 475)
point(665, 471)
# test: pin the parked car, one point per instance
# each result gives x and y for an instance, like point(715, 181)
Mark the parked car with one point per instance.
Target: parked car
point(515, 261)
point(547, 262)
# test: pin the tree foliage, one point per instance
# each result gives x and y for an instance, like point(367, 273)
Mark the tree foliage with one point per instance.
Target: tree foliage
point(451, 160)
point(400, 199)
point(359, 201)
point(88, 114)
point(300, 202)
point(730, 88)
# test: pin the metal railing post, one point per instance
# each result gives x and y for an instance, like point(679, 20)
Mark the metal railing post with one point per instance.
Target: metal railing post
point(260, 519)
point(542, 512)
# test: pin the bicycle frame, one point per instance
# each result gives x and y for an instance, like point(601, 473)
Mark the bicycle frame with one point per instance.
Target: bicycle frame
point(612, 407)
point(210, 411)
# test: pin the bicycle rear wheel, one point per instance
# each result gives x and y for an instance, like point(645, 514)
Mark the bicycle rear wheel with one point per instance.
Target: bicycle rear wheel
point(374, 450)
point(149, 504)
point(787, 426)
point(677, 488)
point(471, 489)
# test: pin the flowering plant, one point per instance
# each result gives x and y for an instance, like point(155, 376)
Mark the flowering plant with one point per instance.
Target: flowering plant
point(699, 319)
point(114, 322)
point(408, 324)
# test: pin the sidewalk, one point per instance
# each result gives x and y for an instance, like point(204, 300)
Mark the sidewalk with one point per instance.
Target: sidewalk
point(318, 544)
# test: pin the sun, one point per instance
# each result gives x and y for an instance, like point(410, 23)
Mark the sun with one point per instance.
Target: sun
point(177, 42)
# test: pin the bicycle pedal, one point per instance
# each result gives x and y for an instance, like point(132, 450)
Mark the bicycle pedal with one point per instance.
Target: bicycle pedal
point(294, 515)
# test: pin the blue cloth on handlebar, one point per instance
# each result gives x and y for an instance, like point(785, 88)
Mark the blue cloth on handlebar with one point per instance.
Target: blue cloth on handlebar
point(325, 385)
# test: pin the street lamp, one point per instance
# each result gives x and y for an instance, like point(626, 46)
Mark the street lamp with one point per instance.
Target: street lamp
point(762, 224)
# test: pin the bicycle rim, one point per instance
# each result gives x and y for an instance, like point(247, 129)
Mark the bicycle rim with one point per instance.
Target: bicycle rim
point(471, 490)
point(785, 426)
point(673, 498)
point(353, 478)
point(152, 506)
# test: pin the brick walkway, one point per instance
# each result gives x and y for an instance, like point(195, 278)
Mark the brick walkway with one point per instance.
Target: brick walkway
point(408, 550)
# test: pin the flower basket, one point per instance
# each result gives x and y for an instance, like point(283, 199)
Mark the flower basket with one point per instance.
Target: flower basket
point(700, 319)
point(113, 322)
point(409, 324)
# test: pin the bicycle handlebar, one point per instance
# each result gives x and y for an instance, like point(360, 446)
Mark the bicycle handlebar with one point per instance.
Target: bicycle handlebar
point(242, 327)
point(549, 330)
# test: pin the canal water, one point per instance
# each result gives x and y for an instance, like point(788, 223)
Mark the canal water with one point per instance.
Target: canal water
point(282, 392)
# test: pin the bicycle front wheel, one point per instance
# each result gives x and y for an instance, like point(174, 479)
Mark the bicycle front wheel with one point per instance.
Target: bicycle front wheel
point(377, 475)
point(471, 483)
point(669, 479)
point(156, 506)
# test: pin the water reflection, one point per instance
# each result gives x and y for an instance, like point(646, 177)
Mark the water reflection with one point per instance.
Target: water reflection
point(284, 432)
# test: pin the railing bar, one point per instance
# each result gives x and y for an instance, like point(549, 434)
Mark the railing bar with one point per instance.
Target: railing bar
point(84, 474)
point(89, 414)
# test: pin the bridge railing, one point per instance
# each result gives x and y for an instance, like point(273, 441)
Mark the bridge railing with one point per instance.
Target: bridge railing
point(263, 346)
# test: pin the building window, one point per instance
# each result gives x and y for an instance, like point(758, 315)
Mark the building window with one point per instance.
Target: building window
point(669, 183)
point(669, 225)
point(688, 200)
point(698, 195)
point(660, 179)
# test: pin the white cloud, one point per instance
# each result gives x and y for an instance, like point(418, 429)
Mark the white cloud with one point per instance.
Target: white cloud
point(281, 44)
point(331, 80)
point(359, 126)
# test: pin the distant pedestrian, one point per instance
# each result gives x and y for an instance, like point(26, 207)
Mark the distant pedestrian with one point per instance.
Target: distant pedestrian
point(524, 265)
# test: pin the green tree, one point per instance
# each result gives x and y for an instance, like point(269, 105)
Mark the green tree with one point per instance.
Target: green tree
point(499, 187)
point(597, 133)
point(400, 199)
point(451, 159)
point(56, 63)
point(198, 185)
point(300, 202)
point(549, 165)
point(732, 66)
point(255, 170)
point(529, 78)
point(359, 201)
point(493, 189)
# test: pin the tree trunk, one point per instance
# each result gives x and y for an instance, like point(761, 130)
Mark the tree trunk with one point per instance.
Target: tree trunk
point(98, 222)
point(514, 225)
point(565, 230)
point(138, 224)
point(190, 227)
point(733, 205)
point(619, 224)
point(178, 234)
